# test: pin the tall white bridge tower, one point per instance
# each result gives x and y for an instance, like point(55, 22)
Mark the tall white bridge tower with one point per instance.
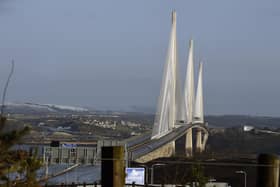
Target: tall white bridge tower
point(177, 108)
point(178, 112)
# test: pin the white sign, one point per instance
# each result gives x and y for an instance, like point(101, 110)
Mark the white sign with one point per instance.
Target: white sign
point(136, 175)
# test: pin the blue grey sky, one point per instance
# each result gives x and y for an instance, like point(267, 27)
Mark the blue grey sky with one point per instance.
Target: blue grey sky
point(110, 54)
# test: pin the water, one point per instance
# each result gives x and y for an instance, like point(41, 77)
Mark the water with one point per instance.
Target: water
point(81, 174)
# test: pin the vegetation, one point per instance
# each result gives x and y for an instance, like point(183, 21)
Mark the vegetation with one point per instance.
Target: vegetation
point(234, 140)
point(12, 161)
point(197, 177)
point(181, 174)
point(16, 160)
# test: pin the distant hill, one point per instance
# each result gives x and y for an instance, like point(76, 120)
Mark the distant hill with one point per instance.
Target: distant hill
point(240, 120)
point(35, 108)
point(142, 109)
point(142, 113)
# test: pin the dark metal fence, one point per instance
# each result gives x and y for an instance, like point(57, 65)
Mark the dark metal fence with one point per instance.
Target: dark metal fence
point(99, 185)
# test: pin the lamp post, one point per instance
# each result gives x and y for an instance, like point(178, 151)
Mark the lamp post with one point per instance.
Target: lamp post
point(152, 171)
point(245, 176)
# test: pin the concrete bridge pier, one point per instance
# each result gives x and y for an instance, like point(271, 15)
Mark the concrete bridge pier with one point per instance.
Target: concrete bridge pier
point(205, 138)
point(189, 143)
point(199, 147)
point(173, 148)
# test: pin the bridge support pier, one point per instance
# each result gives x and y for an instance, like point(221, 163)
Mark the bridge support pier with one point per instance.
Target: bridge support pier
point(173, 147)
point(199, 147)
point(189, 143)
point(205, 138)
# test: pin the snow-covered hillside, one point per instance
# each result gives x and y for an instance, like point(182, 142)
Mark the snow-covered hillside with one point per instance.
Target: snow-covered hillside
point(45, 107)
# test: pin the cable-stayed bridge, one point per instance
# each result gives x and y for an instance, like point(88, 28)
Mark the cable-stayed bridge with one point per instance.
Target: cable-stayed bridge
point(178, 111)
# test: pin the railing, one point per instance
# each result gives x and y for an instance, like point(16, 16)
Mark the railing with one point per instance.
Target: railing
point(127, 185)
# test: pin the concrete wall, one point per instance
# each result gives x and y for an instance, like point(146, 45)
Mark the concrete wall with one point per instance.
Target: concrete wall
point(164, 151)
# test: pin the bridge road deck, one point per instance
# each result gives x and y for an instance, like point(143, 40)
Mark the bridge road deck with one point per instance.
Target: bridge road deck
point(142, 145)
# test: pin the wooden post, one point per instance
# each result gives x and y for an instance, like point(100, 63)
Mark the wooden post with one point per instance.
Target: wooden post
point(112, 166)
point(268, 171)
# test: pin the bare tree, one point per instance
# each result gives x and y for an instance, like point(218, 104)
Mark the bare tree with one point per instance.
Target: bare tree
point(6, 88)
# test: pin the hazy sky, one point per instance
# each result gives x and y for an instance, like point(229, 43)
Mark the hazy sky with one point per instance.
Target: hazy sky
point(110, 54)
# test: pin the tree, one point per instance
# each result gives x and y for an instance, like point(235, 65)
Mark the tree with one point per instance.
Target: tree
point(14, 160)
point(197, 177)
point(9, 159)
point(29, 166)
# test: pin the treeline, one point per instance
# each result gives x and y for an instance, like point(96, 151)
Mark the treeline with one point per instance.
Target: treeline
point(234, 140)
point(241, 120)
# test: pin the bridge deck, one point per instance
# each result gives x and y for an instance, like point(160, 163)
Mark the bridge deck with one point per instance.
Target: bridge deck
point(149, 144)
point(142, 145)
